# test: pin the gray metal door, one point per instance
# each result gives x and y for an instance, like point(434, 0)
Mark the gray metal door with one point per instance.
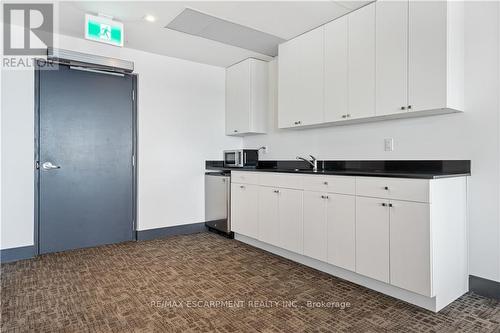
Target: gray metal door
point(86, 143)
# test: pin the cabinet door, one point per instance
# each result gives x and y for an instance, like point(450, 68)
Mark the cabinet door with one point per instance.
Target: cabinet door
point(427, 55)
point(372, 238)
point(341, 230)
point(244, 209)
point(300, 79)
point(238, 98)
point(237, 207)
point(315, 236)
point(410, 246)
point(391, 57)
point(290, 215)
point(269, 224)
point(336, 69)
point(362, 62)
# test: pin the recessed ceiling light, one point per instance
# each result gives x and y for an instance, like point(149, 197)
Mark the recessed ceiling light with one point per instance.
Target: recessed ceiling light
point(149, 18)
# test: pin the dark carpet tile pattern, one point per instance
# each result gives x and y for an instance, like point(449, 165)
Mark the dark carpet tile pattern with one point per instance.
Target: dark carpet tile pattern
point(206, 283)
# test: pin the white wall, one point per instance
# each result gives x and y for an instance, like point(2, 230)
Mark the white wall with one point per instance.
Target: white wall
point(17, 121)
point(473, 135)
point(180, 125)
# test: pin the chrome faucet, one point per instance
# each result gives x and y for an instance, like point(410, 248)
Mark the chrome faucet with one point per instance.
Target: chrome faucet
point(313, 162)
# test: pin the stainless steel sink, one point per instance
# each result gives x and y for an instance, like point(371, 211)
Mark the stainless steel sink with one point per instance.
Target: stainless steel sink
point(308, 170)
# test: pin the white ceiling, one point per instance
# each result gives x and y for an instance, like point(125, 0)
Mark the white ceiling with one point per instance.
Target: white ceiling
point(284, 19)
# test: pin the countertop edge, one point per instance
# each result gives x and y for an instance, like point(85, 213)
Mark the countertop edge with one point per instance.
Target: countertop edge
point(348, 173)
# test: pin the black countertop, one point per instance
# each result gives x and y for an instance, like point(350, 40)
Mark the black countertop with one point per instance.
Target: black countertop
point(419, 169)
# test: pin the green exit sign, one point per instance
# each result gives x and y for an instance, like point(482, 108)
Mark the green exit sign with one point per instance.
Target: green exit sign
point(104, 30)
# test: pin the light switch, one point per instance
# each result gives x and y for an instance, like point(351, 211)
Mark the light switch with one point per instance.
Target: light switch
point(389, 144)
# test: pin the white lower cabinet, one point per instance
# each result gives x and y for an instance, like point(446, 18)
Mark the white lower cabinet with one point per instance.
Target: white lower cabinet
point(403, 237)
point(280, 217)
point(329, 228)
point(341, 230)
point(372, 238)
point(244, 212)
point(410, 255)
point(269, 219)
point(315, 237)
point(393, 243)
point(290, 217)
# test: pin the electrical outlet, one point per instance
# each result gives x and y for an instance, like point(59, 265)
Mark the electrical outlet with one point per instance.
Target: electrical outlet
point(389, 144)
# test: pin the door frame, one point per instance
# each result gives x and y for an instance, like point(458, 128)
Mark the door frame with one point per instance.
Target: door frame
point(36, 164)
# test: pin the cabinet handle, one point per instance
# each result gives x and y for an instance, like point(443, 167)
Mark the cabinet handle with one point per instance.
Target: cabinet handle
point(348, 115)
point(241, 186)
point(390, 205)
point(325, 183)
point(409, 107)
point(384, 204)
point(235, 131)
point(324, 197)
point(403, 108)
point(297, 122)
point(344, 116)
point(386, 188)
point(276, 191)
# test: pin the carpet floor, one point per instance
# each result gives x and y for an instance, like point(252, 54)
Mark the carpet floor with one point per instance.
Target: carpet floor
point(206, 283)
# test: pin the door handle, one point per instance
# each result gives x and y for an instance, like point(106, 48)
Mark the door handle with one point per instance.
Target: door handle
point(50, 166)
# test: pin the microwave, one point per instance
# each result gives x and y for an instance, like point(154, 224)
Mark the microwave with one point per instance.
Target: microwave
point(240, 158)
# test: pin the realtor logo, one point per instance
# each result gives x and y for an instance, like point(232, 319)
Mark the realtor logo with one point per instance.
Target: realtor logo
point(28, 28)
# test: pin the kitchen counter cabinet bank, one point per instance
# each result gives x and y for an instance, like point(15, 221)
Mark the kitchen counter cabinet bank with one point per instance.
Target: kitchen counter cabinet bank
point(400, 236)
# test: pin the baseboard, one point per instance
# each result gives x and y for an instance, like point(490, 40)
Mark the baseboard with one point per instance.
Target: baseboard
point(185, 229)
point(484, 287)
point(17, 253)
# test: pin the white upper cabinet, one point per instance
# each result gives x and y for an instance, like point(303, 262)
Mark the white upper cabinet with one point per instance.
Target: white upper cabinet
point(362, 62)
point(300, 77)
point(436, 40)
point(336, 69)
point(419, 56)
point(350, 66)
point(391, 57)
point(427, 57)
point(246, 97)
point(386, 60)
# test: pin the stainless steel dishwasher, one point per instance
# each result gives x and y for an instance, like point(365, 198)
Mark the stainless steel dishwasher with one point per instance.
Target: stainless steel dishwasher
point(218, 202)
